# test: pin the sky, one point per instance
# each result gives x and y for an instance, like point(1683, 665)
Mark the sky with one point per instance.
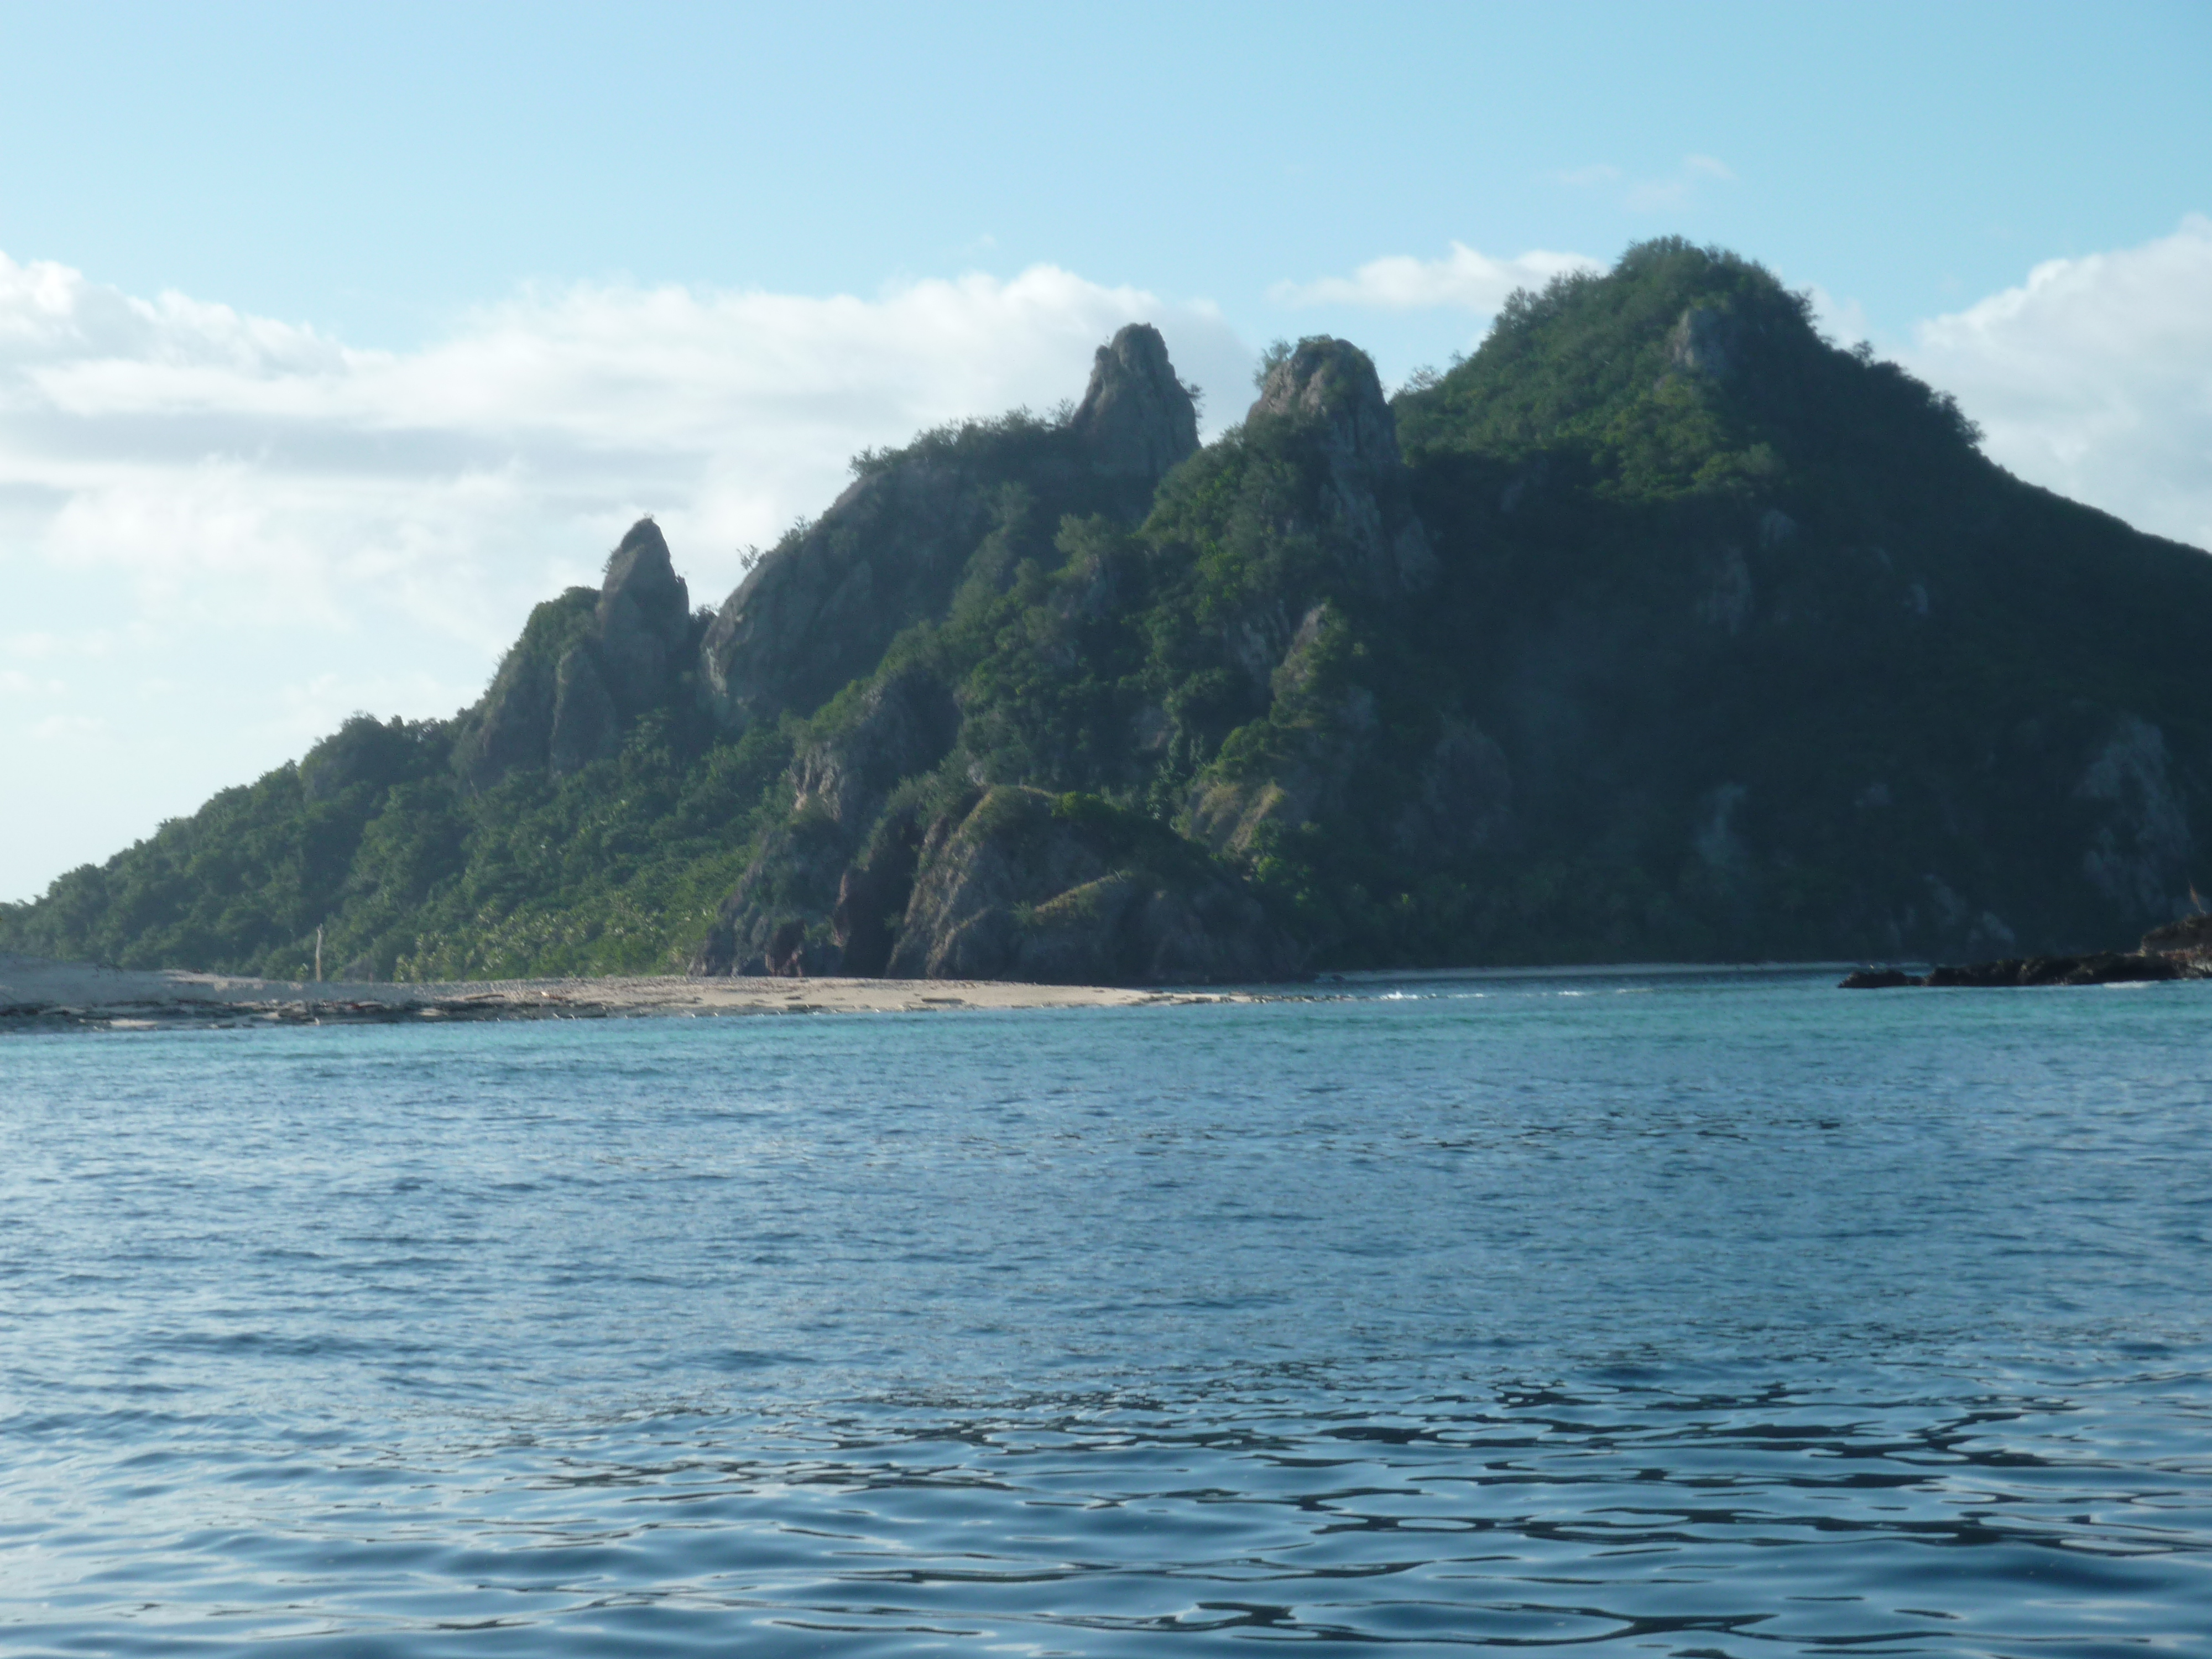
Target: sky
point(331, 339)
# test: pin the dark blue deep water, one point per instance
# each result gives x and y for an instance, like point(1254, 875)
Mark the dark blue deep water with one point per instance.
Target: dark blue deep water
point(1669, 1314)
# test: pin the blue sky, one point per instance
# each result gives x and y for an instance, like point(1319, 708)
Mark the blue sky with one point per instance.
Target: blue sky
point(377, 170)
point(330, 339)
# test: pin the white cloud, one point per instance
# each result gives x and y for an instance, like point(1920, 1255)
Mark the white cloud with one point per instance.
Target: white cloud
point(2093, 378)
point(1463, 279)
point(291, 528)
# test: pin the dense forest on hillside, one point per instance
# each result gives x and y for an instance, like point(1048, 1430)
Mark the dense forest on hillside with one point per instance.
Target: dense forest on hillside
point(1659, 626)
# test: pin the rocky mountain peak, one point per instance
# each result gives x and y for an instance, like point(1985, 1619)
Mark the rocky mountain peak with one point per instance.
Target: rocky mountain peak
point(1136, 418)
point(1332, 385)
point(1334, 381)
point(644, 618)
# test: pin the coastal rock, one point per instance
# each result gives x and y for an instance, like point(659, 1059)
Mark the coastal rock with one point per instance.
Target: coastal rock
point(1137, 419)
point(873, 894)
point(2097, 968)
point(2190, 937)
point(1029, 886)
point(1876, 979)
point(824, 892)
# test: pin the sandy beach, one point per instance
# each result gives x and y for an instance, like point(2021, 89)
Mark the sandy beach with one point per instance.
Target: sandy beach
point(39, 993)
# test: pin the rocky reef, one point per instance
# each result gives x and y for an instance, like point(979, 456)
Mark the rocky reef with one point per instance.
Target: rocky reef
point(2179, 950)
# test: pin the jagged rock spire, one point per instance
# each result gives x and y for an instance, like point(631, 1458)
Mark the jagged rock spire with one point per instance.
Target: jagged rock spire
point(1332, 385)
point(1136, 418)
point(1335, 380)
point(644, 618)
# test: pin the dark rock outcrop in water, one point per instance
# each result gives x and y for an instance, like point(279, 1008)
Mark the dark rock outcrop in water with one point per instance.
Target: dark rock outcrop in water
point(2180, 949)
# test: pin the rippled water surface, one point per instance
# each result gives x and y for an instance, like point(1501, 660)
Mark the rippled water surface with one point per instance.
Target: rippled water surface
point(1663, 1313)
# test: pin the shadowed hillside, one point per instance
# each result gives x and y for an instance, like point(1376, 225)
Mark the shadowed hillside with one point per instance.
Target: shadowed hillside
point(1658, 627)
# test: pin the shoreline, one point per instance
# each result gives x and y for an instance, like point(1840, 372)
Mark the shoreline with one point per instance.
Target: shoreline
point(39, 994)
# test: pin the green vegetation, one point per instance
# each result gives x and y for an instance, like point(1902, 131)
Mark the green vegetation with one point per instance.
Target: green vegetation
point(614, 870)
point(1680, 632)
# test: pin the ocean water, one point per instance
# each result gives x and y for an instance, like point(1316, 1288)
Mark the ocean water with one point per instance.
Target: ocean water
point(1662, 1314)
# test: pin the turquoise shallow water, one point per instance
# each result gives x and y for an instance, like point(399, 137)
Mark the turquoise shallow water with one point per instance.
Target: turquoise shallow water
point(1654, 1314)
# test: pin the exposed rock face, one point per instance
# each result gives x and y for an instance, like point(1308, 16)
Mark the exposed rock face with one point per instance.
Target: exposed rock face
point(1707, 342)
point(825, 893)
point(1136, 419)
point(905, 725)
point(584, 669)
point(1320, 725)
point(873, 897)
point(1023, 888)
point(644, 620)
point(1022, 885)
point(1333, 381)
point(1330, 387)
point(587, 726)
point(816, 612)
point(775, 920)
point(511, 728)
